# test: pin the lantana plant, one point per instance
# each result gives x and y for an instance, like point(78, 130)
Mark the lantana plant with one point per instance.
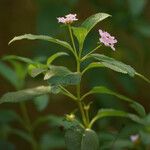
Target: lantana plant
point(79, 130)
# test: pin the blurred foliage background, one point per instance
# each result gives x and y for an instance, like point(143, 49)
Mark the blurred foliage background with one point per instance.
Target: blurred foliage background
point(130, 24)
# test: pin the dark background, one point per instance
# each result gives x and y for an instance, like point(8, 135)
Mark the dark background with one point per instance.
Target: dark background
point(130, 24)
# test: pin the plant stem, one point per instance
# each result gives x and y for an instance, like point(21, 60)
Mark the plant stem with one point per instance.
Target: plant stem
point(73, 43)
point(86, 56)
point(78, 61)
point(28, 125)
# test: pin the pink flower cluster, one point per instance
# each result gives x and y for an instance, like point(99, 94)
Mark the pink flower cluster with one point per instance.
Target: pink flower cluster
point(107, 39)
point(68, 19)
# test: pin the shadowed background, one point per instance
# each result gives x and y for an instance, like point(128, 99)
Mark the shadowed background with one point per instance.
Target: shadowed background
point(130, 24)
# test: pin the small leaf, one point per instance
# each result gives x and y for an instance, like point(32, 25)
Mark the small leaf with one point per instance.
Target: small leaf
point(42, 37)
point(24, 95)
point(41, 102)
point(53, 57)
point(104, 90)
point(90, 140)
point(23, 59)
point(80, 33)
point(113, 64)
point(90, 22)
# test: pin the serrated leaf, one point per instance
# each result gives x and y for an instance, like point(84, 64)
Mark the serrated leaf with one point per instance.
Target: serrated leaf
point(59, 75)
point(113, 64)
point(54, 56)
point(90, 140)
point(9, 74)
point(41, 102)
point(80, 33)
point(90, 22)
point(42, 37)
point(24, 95)
point(73, 138)
point(104, 90)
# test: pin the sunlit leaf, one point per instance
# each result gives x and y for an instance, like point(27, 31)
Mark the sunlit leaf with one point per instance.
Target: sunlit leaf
point(24, 95)
point(42, 37)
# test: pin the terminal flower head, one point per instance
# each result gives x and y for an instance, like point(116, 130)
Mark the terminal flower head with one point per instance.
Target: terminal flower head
point(68, 19)
point(107, 39)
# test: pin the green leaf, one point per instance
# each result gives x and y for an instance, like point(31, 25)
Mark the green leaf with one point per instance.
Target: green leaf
point(90, 22)
point(9, 74)
point(90, 140)
point(116, 113)
point(42, 37)
point(24, 95)
point(113, 64)
point(22, 59)
point(80, 33)
point(73, 138)
point(56, 55)
point(59, 75)
point(92, 65)
point(104, 90)
point(36, 70)
point(41, 102)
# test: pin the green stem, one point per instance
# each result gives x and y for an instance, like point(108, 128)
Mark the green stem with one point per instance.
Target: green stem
point(73, 43)
point(67, 93)
point(28, 125)
point(86, 56)
point(78, 61)
point(141, 76)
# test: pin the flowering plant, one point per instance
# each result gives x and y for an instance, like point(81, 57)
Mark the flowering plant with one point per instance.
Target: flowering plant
point(79, 131)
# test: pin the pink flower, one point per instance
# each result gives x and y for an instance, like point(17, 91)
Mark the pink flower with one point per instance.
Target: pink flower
point(68, 19)
point(134, 138)
point(107, 39)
